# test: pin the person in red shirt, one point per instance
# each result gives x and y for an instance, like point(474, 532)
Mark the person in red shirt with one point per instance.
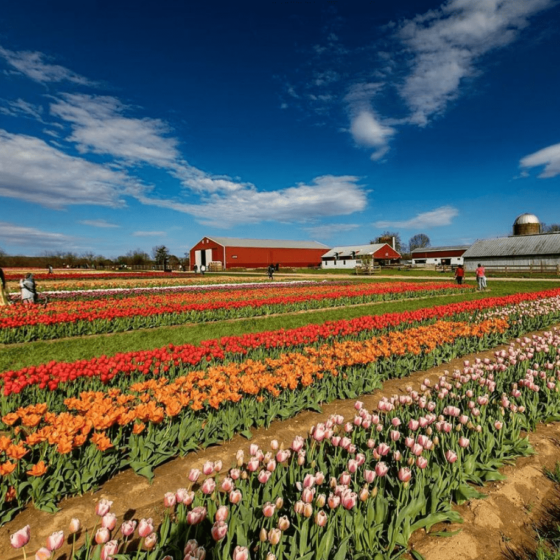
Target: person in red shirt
point(481, 277)
point(459, 274)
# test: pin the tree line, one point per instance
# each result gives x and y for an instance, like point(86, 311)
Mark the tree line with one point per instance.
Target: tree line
point(160, 256)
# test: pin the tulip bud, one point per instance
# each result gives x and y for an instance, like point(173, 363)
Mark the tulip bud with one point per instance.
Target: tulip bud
point(283, 523)
point(218, 466)
point(274, 445)
point(274, 536)
point(279, 502)
point(321, 518)
point(263, 535)
point(298, 507)
point(320, 500)
point(269, 509)
point(307, 510)
point(364, 493)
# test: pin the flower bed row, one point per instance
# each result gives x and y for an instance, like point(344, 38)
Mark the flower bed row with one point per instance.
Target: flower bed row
point(96, 435)
point(353, 489)
point(63, 319)
point(73, 377)
point(45, 276)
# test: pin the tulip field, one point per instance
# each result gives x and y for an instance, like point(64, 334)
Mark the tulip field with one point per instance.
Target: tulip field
point(355, 488)
point(113, 313)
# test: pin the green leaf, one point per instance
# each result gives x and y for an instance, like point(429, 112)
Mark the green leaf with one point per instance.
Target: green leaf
point(341, 553)
point(246, 434)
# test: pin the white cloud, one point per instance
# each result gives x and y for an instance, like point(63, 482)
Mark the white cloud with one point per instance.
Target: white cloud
point(34, 66)
point(100, 126)
point(326, 231)
point(549, 157)
point(439, 217)
point(149, 233)
point(367, 130)
point(22, 108)
point(326, 196)
point(32, 170)
point(20, 235)
point(445, 44)
point(99, 223)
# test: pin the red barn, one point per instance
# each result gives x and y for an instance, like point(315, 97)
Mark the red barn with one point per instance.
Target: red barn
point(256, 253)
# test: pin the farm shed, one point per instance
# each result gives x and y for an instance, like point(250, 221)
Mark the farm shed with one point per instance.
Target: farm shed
point(450, 255)
point(520, 250)
point(350, 256)
point(256, 253)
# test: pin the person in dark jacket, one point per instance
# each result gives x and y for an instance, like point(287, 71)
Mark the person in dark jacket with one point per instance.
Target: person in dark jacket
point(270, 271)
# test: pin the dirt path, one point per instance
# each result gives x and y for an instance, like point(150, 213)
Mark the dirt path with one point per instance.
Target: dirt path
point(503, 520)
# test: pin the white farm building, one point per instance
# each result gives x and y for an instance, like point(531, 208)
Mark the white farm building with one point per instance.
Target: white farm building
point(350, 256)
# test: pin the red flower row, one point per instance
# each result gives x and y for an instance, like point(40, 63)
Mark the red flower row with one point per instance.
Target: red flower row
point(175, 303)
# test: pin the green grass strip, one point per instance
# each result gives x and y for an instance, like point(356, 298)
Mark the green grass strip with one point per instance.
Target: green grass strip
point(69, 350)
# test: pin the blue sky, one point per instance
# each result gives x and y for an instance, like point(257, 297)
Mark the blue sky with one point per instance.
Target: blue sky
point(128, 125)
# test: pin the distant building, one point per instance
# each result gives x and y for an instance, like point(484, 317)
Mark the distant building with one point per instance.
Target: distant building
point(230, 252)
point(350, 256)
point(518, 250)
point(447, 256)
point(526, 247)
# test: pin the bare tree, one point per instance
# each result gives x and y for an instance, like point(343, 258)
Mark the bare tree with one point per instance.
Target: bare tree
point(418, 241)
point(551, 228)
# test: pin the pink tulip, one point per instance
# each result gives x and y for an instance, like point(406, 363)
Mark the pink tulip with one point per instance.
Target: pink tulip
point(181, 495)
point(463, 442)
point(274, 445)
point(75, 526)
point(395, 435)
point(397, 456)
point(271, 465)
point(371, 443)
point(43, 554)
point(319, 433)
point(269, 509)
point(321, 518)
point(307, 495)
point(146, 527)
point(55, 540)
point(364, 494)
point(264, 476)
point(253, 464)
point(345, 478)
point(422, 440)
point(208, 486)
point(240, 553)
point(333, 501)
point(408, 441)
point(253, 449)
point(102, 535)
point(150, 541)
point(381, 469)
point(345, 442)
point(383, 449)
point(103, 507)
point(404, 474)
point(417, 449)
point(421, 462)
point(319, 478)
point(128, 528)
point(498, 425)
point(235, 496)
point(298, 507)
point(358, 405)
point(235, 474)
point(413, 424)
point(227, 485)
point(352, 466)
point(218, 466)
point(396, 422)
point(109, 549)
point(221, 514)
point(349, 500)
point(308, 481)
point(109, 521)
point(307, 510)
point(196, 515)
point(451, 456)
point(297, 444)
point(219, 530)
point(358, 421)
point(369, 476)
point(193, 475)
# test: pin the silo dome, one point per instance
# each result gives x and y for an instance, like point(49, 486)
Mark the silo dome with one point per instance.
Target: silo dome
point(526, 224)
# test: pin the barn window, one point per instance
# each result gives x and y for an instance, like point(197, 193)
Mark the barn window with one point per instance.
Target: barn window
point(234, 256)
point(343, 262)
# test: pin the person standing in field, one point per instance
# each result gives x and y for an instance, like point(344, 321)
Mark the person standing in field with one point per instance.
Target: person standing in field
point(270, 271)
point(459, 274)
point(481, 277)
point(28, 289)
point(3, 294)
